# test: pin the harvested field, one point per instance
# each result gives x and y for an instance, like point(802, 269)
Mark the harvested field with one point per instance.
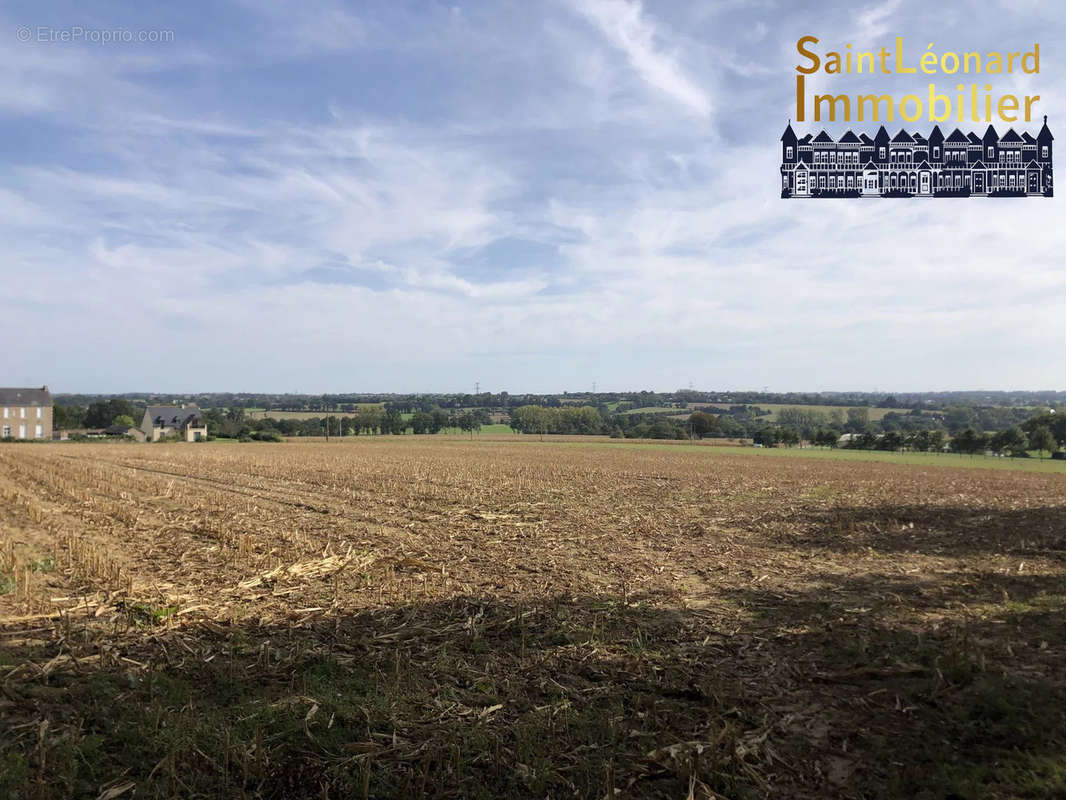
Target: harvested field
point(411, 616)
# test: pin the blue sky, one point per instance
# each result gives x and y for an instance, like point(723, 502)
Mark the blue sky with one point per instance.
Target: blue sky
point(535, 195)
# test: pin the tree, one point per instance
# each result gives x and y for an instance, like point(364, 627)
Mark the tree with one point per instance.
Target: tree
point(67, 417)
point(858, 419)
point(767, 437)
point(958, 418)
point(826, 437)
point(369, 419)
point(969, 441)
point(1011, 440)
point(420, 422)
point(438, 420)
point(1042, 439)
point(936, 441)
point(1056, 423)
point(125, 420)
point(393, 422)
point(703, 424)
point(890, 440)
point(102, 413)
point(465, 422)
point(800, 418)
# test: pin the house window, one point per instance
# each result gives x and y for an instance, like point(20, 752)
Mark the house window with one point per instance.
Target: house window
point(6, 412)
point(991, 152)
point(6, 431)
point(821, 181)
point(38, 412)
point(22, 412)
point(38, 432)
point(784, 181)
point(1043, 151)
point(881, 151)
point(788, 152)
point(936, 152)
point(22, 431)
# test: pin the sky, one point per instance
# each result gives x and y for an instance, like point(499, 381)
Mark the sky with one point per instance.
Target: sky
point(528, 195)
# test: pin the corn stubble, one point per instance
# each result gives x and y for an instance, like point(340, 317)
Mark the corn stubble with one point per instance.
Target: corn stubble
point(424, 615)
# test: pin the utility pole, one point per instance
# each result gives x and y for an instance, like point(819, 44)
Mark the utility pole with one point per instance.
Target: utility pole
point(477, 388)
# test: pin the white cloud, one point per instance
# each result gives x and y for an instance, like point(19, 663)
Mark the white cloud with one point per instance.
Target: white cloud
point(624, 24)
point(326, 239)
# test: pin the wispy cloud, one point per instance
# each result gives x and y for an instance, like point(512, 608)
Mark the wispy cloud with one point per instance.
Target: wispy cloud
point(625, 25)
point(876, 20)
point(376, 198)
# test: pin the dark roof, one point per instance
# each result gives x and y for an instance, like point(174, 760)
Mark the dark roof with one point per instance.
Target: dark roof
point(806, 139)
point(974, 138)
point(1028, 138)
point(849, 138)
point(881, 136)
point(902, 136)
point(823, 137)
point(789, 135)
point(25, 397)
point(1011, 136)
point(936, 136)
point(1045, 133)
point(172, 416)
point(865, 139)
point(978, 164)
point(958, 137)
point(990, 134)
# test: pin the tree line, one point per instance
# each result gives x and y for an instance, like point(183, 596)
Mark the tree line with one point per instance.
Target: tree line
point(365, 421)
point(961, 428)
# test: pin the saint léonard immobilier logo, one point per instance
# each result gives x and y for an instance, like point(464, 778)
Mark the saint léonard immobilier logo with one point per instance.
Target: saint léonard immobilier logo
point(942, 162)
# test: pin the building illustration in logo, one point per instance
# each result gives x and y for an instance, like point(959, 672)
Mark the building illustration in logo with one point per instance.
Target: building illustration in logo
point(911, 165)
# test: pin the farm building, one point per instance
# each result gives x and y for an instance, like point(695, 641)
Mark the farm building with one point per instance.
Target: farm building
point(125, 430)
point(183, 421)
point(26, 413)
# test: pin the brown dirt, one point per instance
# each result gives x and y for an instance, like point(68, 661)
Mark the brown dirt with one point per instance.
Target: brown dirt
point(527, 619)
